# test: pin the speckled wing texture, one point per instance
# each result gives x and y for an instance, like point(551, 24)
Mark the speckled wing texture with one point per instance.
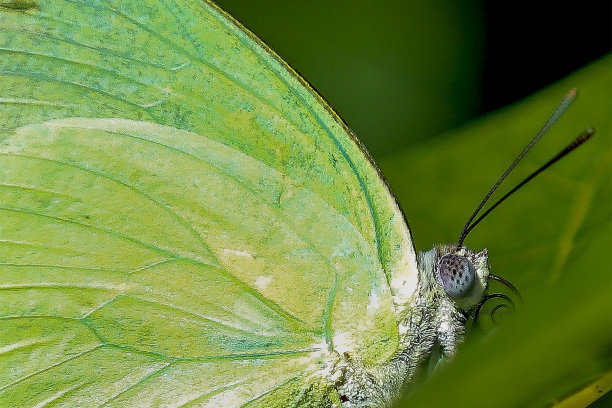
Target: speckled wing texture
point(183, 220)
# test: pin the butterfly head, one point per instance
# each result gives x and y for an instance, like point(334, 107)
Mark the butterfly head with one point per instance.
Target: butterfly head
point(462, 274)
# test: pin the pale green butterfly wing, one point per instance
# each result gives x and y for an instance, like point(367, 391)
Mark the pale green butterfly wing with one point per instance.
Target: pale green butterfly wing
point(204, 247)
point(99, 282)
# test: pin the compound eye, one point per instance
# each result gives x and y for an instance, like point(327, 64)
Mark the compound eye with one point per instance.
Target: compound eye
point(456, 275)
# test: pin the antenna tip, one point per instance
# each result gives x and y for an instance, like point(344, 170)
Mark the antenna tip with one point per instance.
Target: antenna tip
point(586, 135)
point(572, 93)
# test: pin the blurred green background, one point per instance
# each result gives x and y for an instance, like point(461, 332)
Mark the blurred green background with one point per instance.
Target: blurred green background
point(421, 83)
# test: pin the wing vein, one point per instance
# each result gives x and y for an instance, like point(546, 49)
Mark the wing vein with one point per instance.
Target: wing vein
point(211, 393)
point(101, 50)
point(92, 287)
point(144, 379)
point(58, 395)
point(267, 392)
point(117, 234)
point(36, 190)
point(214, 321)
point(38, 102)
point(82, 86)
point(26, 377)
point(39, 246)
point(93, 67)
point(23, 345)
point(139, 192)
point(61, 266)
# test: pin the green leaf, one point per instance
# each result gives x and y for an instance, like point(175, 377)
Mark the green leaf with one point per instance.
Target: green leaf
point(552, 240)
point(598, 391)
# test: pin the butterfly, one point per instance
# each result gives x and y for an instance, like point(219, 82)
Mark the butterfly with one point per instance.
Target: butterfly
point(185, 221)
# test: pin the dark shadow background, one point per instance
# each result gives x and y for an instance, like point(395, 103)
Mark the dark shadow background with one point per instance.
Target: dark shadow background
point(399, 72)
point(531, 45)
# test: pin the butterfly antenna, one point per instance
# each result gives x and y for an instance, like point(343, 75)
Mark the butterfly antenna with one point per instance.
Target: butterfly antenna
point(496, 308)
point(507, 284)
point(583, 137)
point(565, 103)
point(489, 297)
